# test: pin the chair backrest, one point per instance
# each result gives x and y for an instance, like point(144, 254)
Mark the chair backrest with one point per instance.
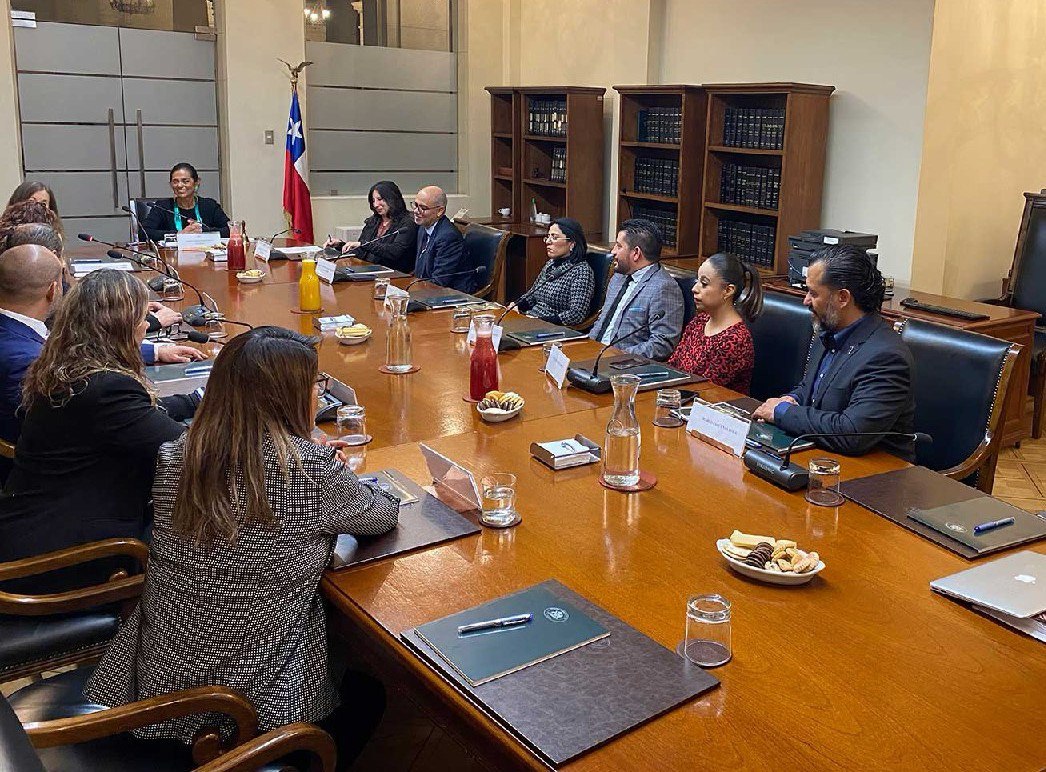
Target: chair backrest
point(781, 336)
point(16, 751)
point(602, 264)
point(686, 286)
point(1028, 279)
point(486, 247)
point(959, 383)
point(141, 207)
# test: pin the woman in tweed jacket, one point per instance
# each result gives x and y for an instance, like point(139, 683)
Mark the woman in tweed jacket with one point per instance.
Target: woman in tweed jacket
point(562, 292)
point(247, 510)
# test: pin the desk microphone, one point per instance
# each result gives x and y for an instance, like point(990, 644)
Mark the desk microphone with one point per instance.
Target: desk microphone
point(592, 381)
point(777, 468)
point(173, 214)
point(477, 270)
point(276, 254)
point(193, 314)
point(368, 243)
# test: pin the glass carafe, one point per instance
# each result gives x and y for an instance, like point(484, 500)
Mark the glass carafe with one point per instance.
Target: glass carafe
point(309, 287)
point(235, 257)
point(397, 349)
point(621, 445)
point(483, 365)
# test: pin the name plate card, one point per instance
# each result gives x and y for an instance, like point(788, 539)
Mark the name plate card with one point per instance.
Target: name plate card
point(556, 366)
point(325, 270)
point(495, 335)
point(725, 431)
point(262, 250)
point(391, 292)
point(198, 242)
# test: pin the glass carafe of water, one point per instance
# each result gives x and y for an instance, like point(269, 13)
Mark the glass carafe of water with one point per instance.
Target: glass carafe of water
point(397, 350)
point(621, 446)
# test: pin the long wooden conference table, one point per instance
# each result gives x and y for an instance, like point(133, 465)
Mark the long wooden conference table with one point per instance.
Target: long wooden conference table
point(863, 668)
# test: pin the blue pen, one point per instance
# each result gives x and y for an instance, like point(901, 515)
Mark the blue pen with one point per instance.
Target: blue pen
point(991, 525)
point(543, 335)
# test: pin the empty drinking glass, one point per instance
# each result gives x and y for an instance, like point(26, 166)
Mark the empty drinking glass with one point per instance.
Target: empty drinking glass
point(707, 642)
point(823, 488)
point(666, 409)
point(381, 286)
point(546, 349)
point(352, 424)
point(499, 500)
point(461, 321)
point(172, 290)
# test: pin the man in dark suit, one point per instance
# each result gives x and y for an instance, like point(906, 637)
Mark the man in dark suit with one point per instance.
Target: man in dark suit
point(442, 258)
point(859, 374)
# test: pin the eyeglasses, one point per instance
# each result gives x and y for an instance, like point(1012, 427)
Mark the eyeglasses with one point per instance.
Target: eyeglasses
point(552, 238)
point(422, 208)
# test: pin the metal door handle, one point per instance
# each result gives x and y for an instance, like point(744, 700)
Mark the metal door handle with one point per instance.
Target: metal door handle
point(141, 155)
point(112, 159)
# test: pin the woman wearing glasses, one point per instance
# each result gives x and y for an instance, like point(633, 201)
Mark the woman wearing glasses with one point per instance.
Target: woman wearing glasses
point(562, 292)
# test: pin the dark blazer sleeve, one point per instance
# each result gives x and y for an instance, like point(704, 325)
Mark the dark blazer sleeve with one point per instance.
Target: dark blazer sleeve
point(214, 217)
point(351, 507)
point(158, 223)
point(125, 418)
point(448, 257)
point(877, 395)
point(396, 251)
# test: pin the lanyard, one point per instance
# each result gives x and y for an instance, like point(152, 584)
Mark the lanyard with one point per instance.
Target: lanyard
point(195, 211)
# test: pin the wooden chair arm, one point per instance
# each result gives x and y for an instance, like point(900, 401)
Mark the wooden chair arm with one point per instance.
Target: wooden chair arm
point(972, 463)
point(135, 715)
point(275, 745)
point(120, 588)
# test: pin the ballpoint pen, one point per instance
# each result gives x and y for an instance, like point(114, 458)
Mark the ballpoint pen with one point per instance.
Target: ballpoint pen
point(544, 335)
point(991, 525)
point(495, 624)
point(653, 374)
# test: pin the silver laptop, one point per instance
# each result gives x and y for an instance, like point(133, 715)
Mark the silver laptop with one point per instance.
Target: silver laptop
point(1015, 584)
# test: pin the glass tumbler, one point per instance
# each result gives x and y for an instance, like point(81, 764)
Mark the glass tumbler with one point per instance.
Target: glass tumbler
point(352, 424)
point(823, 488)
point(461, 321)
point(666, 409)
point(172, 290)
point(499, 500)
point(546, 349)
point(707, 642)
point(381, 286)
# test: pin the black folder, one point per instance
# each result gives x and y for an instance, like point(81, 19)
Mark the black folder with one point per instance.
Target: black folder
point(582, 698)
point(535, 332)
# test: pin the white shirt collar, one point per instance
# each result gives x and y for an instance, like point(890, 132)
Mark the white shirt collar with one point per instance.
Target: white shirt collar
point(33, 324)
point(637, 276)
point(431, 228)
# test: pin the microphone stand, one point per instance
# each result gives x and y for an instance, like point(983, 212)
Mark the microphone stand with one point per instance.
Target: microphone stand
point(592, 381)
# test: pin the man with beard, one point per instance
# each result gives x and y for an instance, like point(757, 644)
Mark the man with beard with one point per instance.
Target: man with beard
point(859, 374)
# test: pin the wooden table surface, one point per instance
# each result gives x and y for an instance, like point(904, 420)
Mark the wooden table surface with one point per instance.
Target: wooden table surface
point(863, 668)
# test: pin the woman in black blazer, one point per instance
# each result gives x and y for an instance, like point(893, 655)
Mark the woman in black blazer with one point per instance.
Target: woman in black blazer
point(392, 224)
point(83, 466)
point(186, 212)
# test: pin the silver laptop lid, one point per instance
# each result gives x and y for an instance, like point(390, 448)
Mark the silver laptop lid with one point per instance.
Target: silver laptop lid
point(1015, 584)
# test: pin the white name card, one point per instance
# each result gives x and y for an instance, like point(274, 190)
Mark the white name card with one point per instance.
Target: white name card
point(262, 250)
point(721, 429)
point(391, 292)
point(325, 270)
point(556, 366)
point(495, 335)
point(198, 242)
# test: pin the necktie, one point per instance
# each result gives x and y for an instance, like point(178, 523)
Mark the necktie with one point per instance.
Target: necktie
point(613, 307)
point(424, 241)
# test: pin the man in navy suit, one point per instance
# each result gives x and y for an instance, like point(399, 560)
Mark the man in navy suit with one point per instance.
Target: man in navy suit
point(859, 374)
point(442, 258)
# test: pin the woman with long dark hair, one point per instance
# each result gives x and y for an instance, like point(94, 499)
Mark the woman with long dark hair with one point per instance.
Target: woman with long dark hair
point(41, 193)
point(393, 227)
point(247, 510)
point(562, 291)
point(717, 343)
point(187, 212)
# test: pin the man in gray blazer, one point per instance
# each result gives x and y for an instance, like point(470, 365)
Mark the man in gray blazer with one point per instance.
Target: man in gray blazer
point(644, 306)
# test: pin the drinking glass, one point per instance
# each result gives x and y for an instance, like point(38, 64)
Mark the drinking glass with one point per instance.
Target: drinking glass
point(707, 642)
point(823, 488)
point(381, 286)
point(352, 424)
point(461, 321)
point(499, 499)
point(666, 409)
point(172, 290)
point(546, 350)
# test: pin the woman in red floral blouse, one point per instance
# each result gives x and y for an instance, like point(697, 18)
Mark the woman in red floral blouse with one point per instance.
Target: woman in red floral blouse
point(716, 343)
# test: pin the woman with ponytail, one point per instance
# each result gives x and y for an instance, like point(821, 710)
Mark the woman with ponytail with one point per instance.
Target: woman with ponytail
point(717, 344)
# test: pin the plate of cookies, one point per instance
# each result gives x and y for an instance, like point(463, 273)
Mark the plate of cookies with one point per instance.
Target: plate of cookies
point(776, 561)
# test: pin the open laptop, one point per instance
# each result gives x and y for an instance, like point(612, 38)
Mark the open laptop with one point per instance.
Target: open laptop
point(1014, 585)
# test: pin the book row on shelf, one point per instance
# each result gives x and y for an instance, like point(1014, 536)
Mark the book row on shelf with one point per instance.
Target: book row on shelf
point(755, 186)
point(754, 127)
point(663, 219)
point(559, 165)
point(661, 124)
point(751, 242)
point(657, 175)
point(547, 117)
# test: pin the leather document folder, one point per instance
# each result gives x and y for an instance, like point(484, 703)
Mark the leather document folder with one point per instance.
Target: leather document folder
point(555, 627)
point(582, 698)
point(898, 494)
point(535, 332)
point(422, 523)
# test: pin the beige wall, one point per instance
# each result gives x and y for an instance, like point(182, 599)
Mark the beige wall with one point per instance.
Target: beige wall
point(10, 138)
point(984, 144)
point(876, 54)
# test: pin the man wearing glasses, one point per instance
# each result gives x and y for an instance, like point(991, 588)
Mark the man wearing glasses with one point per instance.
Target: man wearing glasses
point(442, 258)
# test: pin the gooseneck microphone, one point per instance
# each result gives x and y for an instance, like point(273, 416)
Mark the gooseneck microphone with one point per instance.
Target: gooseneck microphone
point(592, 381)
point(477, 270)
point(778, 469)
point(197, 315)
point(368, 243)
point(173, 214)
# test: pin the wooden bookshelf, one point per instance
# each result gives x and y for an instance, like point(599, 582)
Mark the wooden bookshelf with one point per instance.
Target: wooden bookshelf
point(683, 205)
point(580, 193)
point(800, 161)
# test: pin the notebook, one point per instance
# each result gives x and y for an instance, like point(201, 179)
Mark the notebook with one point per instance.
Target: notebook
point(957, 521)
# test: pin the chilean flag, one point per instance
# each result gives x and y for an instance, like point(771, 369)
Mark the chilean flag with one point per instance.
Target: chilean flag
point(297, 202)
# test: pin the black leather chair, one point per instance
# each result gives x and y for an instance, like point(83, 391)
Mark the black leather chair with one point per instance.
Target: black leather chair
point(43, 632)
point(960, 383)
point(49, 726)
point(781, 337)
point(486, 247)
point(686, 286)
point(602, 263)
point(141, 207)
